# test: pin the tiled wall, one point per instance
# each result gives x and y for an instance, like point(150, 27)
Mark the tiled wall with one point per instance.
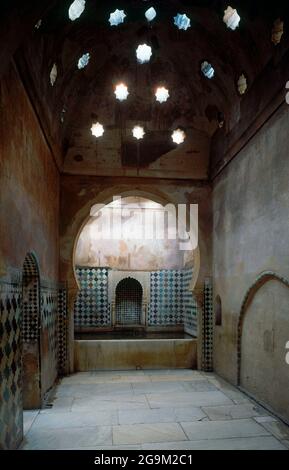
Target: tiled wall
point(166, 306)
point(13, 329)
point(49, 335)
point(208, 327)
point(11, 415)
point(190, 304)
point(91, 308)
point(170, 302)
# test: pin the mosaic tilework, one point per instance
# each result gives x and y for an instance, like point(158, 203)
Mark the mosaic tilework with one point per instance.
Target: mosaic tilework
point(31, 299)
point(190, 304)
point(49, 323)
point(128, 302)
point(166, 298)
point(208, 327)
point(62, 330)
point(91, 306)
point(11, 414)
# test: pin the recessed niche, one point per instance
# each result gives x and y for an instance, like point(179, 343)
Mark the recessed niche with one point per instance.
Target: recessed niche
point(78, 158)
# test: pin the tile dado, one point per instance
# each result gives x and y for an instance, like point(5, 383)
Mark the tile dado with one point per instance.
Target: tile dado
point(170, 301)
point(14, 328)
point(11, 415)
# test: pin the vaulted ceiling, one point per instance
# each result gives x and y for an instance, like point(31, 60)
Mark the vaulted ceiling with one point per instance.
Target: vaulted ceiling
point(80, 97)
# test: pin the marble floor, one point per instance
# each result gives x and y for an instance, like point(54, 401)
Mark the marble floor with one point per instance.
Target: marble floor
point(163, 409)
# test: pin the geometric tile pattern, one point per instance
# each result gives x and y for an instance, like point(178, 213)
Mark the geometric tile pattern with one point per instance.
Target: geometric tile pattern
point(128, 302)
point(166, 306)
point(30, 300)
point(62, 331)
point(208, 327)
point(11, 409)
point(190, 304)
point(91, 306)
point(49, 324)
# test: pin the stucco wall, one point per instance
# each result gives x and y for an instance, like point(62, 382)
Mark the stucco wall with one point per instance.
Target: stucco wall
point(29, 185)
point(29, 221)
point(251, 220)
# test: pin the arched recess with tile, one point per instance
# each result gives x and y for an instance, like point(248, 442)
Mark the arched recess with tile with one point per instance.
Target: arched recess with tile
point(262, 336)
point(31, 328)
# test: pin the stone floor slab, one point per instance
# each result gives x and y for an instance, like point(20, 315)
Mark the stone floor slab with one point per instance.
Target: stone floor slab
point(187, 399)
point(223, 429)
point(245, 443)
point(143, 433)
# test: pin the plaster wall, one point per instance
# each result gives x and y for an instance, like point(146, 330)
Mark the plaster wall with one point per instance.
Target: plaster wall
point(29, 185)
point(251, 220)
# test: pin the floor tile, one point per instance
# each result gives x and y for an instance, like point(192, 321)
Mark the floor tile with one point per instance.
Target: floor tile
point(223, 429)
point(68, 438)
point(247, 410)
point(143, 433)
point(187, 399)
point(245, 443)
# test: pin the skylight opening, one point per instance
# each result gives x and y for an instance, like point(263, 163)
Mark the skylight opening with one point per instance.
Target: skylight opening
point(53, 75)
point(117, 17)
point(83, 61)
point(97, 130)
point(208, 70)
point(178, 136)
point(38, 24)
point(231, 18)
point(121, 92)
point(162, 94)
point(182, 21)
point(138, 132)
point(150, 14)
point(76, 9)
point(143, 53)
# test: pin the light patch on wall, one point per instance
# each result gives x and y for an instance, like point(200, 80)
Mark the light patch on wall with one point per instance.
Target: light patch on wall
point(76, 9)
point(97, 129)
point(231, 18)
point(182, 21)
point(242, 84)
point(53, 75)
point(178, 136)
point(138, 132)
point(207, 70)
point(143, 53)
point(83, 61)
point(150, 14)
point(162, 94)
point(117, 17)
point(121, 92)
point(277, 31)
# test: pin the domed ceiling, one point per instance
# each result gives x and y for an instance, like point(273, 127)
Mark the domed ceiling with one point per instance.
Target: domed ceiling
point(197, 104)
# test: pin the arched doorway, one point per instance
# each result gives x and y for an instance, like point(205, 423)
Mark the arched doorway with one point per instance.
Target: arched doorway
point(262, 335)
point(31, 324)
point(128, 302)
